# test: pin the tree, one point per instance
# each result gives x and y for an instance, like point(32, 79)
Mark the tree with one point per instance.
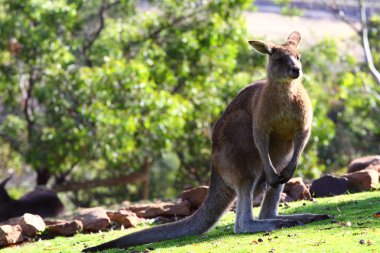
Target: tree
point(97, 89)
point(361, 31)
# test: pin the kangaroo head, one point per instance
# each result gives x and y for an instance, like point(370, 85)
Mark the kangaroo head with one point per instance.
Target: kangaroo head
point(284, 60)
point(4, 197)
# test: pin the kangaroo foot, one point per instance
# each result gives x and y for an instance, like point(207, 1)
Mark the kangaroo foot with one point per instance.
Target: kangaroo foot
point(265, 225)
point(304, 218)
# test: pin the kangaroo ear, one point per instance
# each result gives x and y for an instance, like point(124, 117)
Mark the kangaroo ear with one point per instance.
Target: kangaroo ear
point(294, 39)
point(261, 46)
point(5, 181)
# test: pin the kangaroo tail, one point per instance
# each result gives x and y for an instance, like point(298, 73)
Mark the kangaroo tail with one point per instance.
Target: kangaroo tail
point(218, 199)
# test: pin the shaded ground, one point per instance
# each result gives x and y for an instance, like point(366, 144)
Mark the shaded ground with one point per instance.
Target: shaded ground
point(354, 229)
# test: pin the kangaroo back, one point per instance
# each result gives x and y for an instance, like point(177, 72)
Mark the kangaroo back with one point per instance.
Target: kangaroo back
point(218, 199)
point(41, 202)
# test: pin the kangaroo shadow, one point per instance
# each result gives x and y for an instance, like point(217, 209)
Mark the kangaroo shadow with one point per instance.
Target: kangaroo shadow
point(359, 212)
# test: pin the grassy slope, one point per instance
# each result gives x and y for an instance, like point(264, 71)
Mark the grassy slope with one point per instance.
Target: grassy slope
point(324, 236)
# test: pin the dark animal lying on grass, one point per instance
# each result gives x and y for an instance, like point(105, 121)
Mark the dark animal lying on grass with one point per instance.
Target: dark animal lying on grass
point(256, 147)
point(42, 202)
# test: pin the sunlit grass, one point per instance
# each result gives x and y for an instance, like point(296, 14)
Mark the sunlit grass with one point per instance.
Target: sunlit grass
point(354, 229)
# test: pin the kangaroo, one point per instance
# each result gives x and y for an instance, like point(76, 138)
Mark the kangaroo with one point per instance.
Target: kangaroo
point(256, 145)
point(42, 202)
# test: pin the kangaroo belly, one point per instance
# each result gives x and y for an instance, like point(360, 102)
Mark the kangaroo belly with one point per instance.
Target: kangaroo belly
point(280, 151)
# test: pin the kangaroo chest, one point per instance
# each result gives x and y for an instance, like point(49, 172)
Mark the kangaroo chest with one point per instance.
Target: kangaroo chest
point(288, 114)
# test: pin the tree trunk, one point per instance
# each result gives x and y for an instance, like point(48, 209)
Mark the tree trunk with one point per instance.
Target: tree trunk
point(146, 182)
point(75, 186)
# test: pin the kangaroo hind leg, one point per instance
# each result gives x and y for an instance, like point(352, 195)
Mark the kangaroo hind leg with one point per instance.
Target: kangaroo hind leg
point(245, 222)
point(269, 208)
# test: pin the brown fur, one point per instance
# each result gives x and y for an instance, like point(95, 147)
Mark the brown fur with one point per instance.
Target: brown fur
point(257, 143)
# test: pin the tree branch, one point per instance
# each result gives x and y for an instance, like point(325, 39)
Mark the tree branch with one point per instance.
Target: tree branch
point(371, 92)
point(340, 14)
point(62, 177)
point(365, 41)
point(362, 32)
point(156, 32)
point(89, 42)
point(27, 102)
point(127, 179)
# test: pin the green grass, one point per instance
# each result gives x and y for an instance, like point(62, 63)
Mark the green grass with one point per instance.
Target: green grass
point(323, 236)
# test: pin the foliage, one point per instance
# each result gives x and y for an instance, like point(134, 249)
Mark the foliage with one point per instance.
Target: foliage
point(324, 236)
point(288, 9)
point(103, 94)
point(373, 34)
point(351, 104)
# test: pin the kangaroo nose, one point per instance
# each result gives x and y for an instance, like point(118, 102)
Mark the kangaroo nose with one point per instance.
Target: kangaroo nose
point(295, 71)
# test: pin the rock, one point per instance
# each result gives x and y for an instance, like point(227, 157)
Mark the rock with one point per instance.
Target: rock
point(94, 219)
point(329, 185)
point(257, 200)
point(286, 197)
point(363, 180)
point(363, 162)
point(374, 167)
point(163, 220)
point(125, 204)
point(10, 234)
point(49, 222)
point(195, 196)
point(161, 209)
point(66, 228)
point(297, 190)
point(30, 224)
point(124, 217)
point(232, 207)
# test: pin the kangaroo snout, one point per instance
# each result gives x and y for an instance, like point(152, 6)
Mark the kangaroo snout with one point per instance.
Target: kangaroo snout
point(295, 72)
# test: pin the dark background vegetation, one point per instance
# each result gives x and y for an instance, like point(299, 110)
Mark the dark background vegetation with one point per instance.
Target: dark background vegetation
point(114, 100)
